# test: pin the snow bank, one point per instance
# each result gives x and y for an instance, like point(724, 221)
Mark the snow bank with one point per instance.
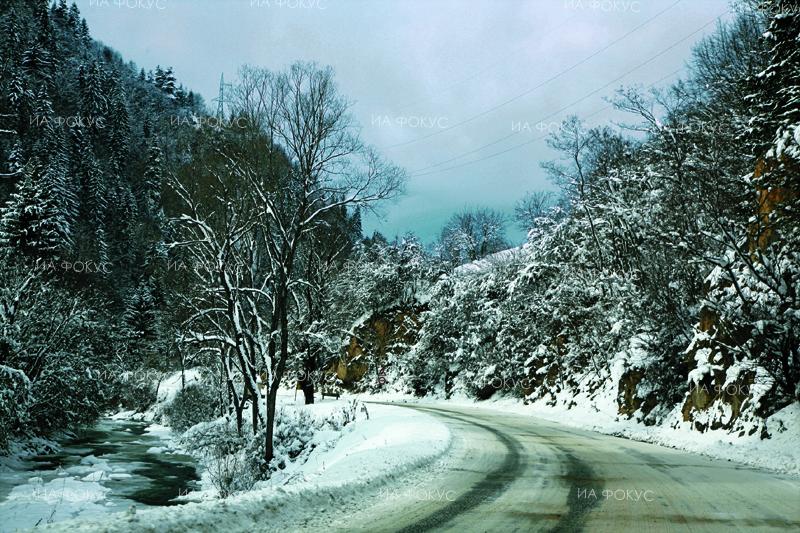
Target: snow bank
point(369, 453)
point(172, 384)
point(76, 491)
point(484, 264)
point(779, 453)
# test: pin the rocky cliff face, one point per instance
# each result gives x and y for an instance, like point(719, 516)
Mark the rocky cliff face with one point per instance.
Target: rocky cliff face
point(373, 345)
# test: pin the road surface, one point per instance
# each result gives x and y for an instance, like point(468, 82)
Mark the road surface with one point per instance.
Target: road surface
point(508, 473)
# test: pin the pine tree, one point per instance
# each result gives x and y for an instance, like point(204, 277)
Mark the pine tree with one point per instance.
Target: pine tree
point(118, 123)
point(777, 88)
point(168, 85)
point(165, 80)
point(74, 18)
point(60, 11)
point(30, 222)
point(84, 33)
point(120, 221)
point(12, 39)
point(37, 64)
point(91, 239)
point(151, 185)
point(94, 101)
point(158, 77)
point(63, 186)
point(141, 314)
point(21, 103)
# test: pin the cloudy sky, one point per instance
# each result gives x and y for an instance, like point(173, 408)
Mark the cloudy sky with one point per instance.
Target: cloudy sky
point(461, 93)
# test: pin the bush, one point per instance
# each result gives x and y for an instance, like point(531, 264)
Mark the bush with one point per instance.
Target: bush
point(53, 409)
point(294, 437)
point(222, 450)
point(195, 403)
point(14, 397)
point(134, 390)
point(235, 462)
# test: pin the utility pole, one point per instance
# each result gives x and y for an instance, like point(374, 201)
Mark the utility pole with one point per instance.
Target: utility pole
point(220, 99)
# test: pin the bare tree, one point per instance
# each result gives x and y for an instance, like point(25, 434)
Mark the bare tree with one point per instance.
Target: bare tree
point(312, 162)
point(532, 206)
point(573, 175)
point(472, 234)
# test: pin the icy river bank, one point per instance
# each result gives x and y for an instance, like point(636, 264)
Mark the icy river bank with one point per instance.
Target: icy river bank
point(109, 467)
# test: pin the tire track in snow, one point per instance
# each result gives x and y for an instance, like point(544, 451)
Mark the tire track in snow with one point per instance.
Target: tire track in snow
point(492, 485)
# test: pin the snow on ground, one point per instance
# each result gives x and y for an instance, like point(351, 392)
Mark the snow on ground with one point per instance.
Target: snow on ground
point(391, 441)
point(367, 454)
point(168, 388)
point(780, 453)
point(489, 261)
point(69, 492)
point(172, 384)
point(58, 499)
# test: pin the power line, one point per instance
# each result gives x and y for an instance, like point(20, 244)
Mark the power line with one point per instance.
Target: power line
point(584, 117)
point(540, 85)
point(422, 172)
point(485, 69)
point(581, 99)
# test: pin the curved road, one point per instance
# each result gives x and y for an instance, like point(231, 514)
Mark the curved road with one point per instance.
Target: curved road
point(509, 472)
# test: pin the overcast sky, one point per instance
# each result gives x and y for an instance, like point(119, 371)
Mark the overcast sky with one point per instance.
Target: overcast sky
point(430, 79)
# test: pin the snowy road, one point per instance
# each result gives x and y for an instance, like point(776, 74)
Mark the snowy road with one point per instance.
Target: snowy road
point(501, 472)
point(513, 473)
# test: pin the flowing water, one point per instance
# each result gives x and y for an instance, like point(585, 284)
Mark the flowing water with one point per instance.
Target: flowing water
point(106, 468)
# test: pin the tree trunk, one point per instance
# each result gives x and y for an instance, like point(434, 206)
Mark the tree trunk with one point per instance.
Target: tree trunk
point(278, 369)
point(254, 410)
point(308, 391)
point(309, 373)
point(183, 369)
point(238, 406)
point(272, 397)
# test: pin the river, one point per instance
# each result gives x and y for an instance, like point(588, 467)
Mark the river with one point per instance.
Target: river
point(109, 467)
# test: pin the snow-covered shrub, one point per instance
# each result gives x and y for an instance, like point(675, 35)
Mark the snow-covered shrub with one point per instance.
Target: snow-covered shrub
point(51, 409)
point(294, 437)
point(195, 403)
point(230, 473)
point(133, 390)
point(222, 451)
point(14, 398)
point(235, 461)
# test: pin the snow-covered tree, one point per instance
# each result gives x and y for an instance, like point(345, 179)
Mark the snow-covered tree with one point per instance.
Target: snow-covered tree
point(471, 235)
point(269, 203)
point(31, 221)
